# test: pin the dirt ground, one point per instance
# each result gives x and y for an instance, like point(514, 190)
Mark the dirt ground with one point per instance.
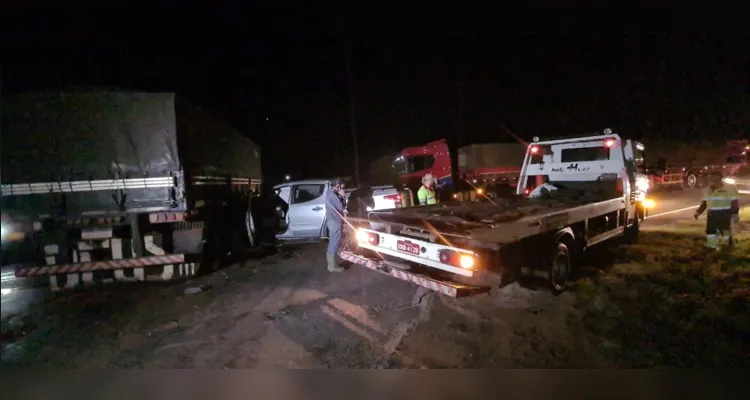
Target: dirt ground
point(665, 303)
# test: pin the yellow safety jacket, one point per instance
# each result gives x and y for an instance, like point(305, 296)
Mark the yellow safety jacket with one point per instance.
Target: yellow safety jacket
point(722, 198)
point(426, 196)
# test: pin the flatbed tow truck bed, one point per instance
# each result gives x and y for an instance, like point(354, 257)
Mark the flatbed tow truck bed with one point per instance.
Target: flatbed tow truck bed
point(501, 221)
point(487, 224)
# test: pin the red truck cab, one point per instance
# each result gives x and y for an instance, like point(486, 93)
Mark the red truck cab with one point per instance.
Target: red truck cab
point(483, 168)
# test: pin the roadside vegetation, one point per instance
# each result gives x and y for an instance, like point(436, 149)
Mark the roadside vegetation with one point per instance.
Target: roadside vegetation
point(672, 304)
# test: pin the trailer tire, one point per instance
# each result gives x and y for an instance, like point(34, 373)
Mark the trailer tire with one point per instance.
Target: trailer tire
point(560, 268)
point(691, 181)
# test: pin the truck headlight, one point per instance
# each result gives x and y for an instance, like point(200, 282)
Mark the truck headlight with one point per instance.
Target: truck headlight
point(729, 181)
point(642, 184)
point(648, 203)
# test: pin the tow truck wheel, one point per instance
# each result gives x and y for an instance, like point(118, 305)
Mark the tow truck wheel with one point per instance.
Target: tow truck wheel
point(560, 268)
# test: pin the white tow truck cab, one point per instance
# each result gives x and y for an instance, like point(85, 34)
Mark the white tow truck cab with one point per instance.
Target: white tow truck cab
point(573, 193)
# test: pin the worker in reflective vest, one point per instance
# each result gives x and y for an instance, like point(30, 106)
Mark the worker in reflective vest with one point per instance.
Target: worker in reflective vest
point(426, 193)
point(723, 210)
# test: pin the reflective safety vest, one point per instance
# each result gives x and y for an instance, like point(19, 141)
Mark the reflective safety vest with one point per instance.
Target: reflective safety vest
point(721, 198)
point(426, 196)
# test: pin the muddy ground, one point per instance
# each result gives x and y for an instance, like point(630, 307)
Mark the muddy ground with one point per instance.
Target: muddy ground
point(287, 311)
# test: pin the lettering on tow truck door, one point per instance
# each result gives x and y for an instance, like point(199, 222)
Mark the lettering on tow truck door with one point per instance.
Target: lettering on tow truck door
point(573, 167)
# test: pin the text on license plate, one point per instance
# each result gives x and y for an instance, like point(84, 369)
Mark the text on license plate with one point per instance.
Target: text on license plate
point(407, 247)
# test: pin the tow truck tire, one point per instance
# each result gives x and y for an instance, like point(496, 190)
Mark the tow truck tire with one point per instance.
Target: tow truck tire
point(632, 232)
point(560, 269)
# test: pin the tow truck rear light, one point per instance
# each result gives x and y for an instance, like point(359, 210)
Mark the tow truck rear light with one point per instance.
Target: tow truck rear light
point(534, 149)
point(609, 142)
point(456, 259)
point(368, 237)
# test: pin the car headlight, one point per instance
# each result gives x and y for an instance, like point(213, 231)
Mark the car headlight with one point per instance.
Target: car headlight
point(4, 230)
point(729, 181)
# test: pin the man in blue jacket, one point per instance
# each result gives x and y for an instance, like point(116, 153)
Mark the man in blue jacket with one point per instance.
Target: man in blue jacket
point(335, 206)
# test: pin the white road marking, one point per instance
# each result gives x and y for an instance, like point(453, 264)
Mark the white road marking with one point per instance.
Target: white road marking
point(671, 212)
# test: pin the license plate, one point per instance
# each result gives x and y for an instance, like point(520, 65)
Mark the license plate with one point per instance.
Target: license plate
point(407, 247)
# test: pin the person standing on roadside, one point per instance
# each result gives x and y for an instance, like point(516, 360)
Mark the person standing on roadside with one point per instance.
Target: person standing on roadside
point(723, 210)
point(426, 193)
point(335, 206)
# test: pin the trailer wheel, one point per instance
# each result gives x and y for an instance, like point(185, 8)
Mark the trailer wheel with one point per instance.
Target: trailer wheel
point(560, 269)
point(691, 181)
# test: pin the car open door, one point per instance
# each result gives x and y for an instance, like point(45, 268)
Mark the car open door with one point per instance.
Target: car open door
point(306, 211)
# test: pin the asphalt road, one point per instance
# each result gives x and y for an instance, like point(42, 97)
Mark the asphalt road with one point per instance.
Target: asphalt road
point(671, 206)
point(287, 311)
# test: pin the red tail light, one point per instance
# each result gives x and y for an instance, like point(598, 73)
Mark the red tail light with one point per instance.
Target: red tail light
point(457, 259)
point(534, 149)
point(369, 237)
point(609, 142)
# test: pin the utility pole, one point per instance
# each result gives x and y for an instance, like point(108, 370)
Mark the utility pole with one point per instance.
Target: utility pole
point(352, 114)
point(455, 139)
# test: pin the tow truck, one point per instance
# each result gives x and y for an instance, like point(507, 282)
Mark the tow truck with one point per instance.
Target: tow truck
point(573, 193)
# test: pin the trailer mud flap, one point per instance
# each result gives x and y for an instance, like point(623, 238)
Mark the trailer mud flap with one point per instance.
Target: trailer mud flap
point(447, 288)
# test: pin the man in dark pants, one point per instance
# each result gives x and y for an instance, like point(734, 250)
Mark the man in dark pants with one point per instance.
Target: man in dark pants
point(268, 212)
point(723, 210)
point(335, 218)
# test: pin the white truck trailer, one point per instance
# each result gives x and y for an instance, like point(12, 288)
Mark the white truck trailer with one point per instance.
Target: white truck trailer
point(573, 193)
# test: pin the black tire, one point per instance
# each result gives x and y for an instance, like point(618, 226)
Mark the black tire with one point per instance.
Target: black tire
point(691, 181)
point(215, 246)
point(632, 232)
point(560, 269)
point(251, 230)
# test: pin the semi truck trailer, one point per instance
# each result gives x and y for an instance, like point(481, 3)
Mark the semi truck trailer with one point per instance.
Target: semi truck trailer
point(121, 186)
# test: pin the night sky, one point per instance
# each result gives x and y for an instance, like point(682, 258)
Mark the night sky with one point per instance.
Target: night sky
point(282, 80)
